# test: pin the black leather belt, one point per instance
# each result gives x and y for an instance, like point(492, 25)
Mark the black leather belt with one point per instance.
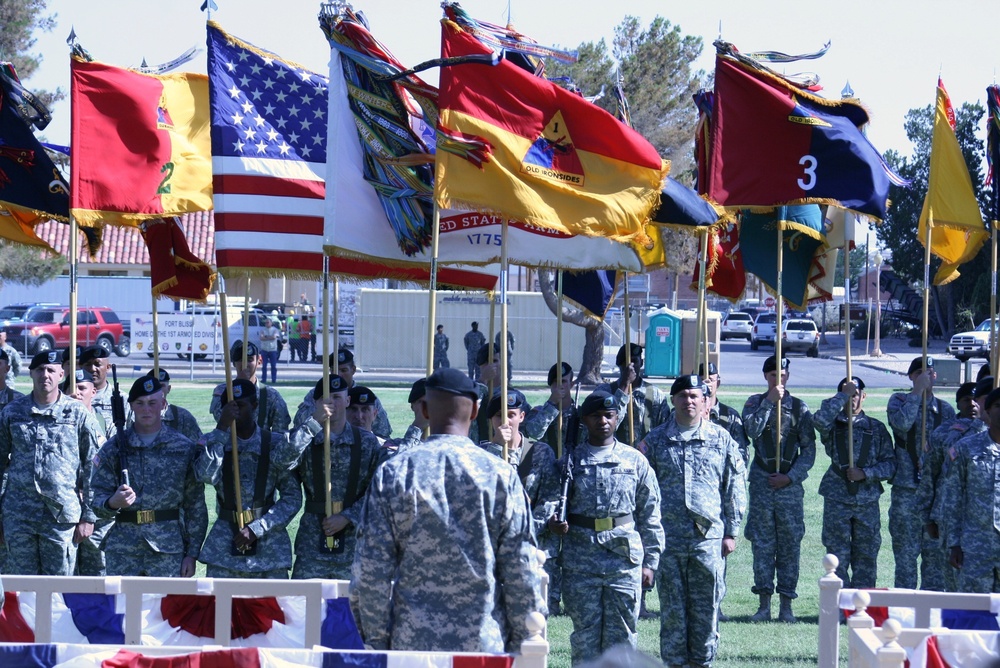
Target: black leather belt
point(599, 523)
point(147, 516)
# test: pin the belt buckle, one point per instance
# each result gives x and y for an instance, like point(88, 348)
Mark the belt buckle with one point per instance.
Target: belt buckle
point(145, 516)
point(337, 507)
point(246, 517)
point(604, 524)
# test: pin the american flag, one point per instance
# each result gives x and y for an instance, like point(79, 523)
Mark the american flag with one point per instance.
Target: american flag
point(269, 140)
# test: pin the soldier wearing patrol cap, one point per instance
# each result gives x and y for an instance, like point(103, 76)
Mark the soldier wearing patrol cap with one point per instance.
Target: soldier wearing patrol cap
point(535, 463)
point(47, 446)
point(702, 479)
point(612, 536)
point(910, 542)
point(362, 410)
point(96, 361)
point(933, 506)
point(177, 417)
point(272, 413)
point(852, 520)
point(144, 480)
point(972, 491)
point(354, 455)
point(650, 406)
point(776, 517)
point(251, 541)
point(458, 574)
point(344, 362)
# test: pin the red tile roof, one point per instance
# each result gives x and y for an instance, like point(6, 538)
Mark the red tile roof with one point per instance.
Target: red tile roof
point(124, 245)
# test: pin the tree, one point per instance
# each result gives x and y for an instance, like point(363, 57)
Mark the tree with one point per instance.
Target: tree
point(899, 231)
point(658, 82)
point(28, 265)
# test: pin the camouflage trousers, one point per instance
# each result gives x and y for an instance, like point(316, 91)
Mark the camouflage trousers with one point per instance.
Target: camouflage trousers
point(39, 547)
point(142, 560)
point(213, 571)
point(853, 533)
point(775, 528)
point(313, 562)
point(910, 541)
point(89, 555)
point(691, 583)
point(551, 545)
point(604, 610)
point(980, 573)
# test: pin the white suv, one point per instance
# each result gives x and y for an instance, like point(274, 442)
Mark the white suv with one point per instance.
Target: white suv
point(736, 325)
point(800, 335)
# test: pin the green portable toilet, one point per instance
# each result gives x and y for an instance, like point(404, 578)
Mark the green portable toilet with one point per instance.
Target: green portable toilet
point(663, 344)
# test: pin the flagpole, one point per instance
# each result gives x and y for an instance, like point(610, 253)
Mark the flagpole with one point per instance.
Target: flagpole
point(847, 347)
point(156, 337)
point(489, 360)
point(559, 367)
point(504, 348)
point(229, 398)
point(994, 340)
point(927, 315)
point(628, 360)
point(702, 312)
point(246, 323)
point(432, 293)
point(73, 259)
point(779, 307)
point(336, 320)
point(325, 331)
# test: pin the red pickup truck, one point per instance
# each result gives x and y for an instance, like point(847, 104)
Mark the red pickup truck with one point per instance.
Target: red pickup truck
point(47, 327)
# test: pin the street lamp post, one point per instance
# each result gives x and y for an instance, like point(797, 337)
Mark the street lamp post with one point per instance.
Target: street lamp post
point(878, 305)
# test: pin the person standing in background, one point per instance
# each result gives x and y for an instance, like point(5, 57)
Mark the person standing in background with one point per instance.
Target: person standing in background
point(474, 340)
point(441, 349)
point(269, 336)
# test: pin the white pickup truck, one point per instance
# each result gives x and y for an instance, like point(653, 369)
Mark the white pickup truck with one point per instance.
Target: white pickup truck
point(976, 343)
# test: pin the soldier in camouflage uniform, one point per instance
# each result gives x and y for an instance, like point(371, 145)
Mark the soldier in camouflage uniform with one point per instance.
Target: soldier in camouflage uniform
point(95, 360)
point(174, 416)
point(441, 349)
point(702, 480)
point(445, 557)
point(934, 509)
point(612, 536)
point(13, 360)
point(489, 374)
point(852, 520)
point(354, 456)
point(541, 423)
point(776, 518)
point(261, 547)
point(972, 485)
point(535, 463)
point(47, 446)
point(725, 416)
point(906, 522)
point(346, 370)
point(415, 432)
point(7, 395)
point(474, 340)
point(159, 507)
point(650, 407)
point(272, 413)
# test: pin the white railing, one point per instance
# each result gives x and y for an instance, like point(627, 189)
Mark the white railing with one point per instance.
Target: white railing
point(883, 646)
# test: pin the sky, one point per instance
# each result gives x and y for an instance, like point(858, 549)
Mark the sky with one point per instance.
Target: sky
point(891, 51)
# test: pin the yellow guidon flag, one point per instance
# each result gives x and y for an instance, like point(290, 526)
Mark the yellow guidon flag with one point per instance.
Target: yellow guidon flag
point(950, 208)
point(514, 144)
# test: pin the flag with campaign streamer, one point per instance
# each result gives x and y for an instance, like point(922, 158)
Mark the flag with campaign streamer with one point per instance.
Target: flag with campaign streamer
point(174, 271)
point(517, 145)
point(773, 143)
point(269, 153)
point(19, 227)
point(801, 227)
point(950, 210)
point(141, 144)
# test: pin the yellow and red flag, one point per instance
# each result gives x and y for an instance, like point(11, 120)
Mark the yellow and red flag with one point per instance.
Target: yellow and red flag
point(519, 146)
point(141, 145)
point(950, 206)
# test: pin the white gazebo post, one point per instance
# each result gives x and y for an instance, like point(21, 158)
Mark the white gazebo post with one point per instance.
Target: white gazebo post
point(878, 305)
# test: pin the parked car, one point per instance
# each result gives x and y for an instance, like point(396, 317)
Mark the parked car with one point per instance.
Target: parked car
point(966, 345)
point(800, 335)
point(15, 312)
point(736, 325)
point(763, 330)
point(47, 327)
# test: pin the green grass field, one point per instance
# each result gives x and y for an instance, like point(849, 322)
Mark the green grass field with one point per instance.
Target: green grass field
point(742, 643)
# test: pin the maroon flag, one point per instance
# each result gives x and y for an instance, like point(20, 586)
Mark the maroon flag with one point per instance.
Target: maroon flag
point(175, 271)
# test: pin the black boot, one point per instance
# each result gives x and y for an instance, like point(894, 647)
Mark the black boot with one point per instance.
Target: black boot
point(763, 613)
point(785, 611)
